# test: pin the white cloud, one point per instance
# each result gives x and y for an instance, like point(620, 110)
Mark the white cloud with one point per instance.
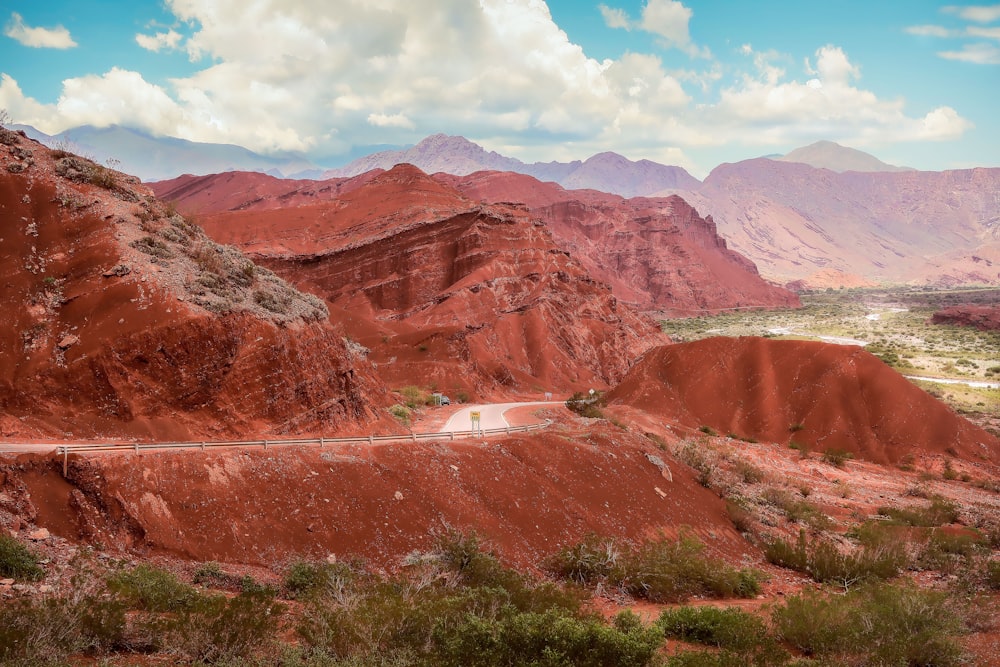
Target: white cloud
point(828, 104)
point(393, 120)
point(979, 54)
point(615, 18)
point(667, 19)
point(932, 31)
point(991, 33)
point(169, 40)
point(977, 13)
point(318, 75)
point(41, 38)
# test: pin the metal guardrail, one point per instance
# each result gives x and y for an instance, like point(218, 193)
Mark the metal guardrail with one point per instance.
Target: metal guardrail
point(66, 450)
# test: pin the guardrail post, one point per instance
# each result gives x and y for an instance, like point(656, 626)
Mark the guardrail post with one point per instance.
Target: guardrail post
point(65, 461)
point(203, 445)
point(452, 434)
point(137, 448)
point(413, 436)
point(265, 445)
point(371, 439)
point(321, 443)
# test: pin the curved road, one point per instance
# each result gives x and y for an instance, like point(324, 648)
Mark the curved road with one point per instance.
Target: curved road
point(491, 415)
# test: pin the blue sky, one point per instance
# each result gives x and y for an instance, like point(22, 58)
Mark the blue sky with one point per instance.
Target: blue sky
point(693, 83)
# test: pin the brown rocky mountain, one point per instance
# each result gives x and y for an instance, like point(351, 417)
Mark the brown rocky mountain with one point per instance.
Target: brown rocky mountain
point(822, 228)
point(444, 290)
point(823, 396)
point(658, 254)
point(124, 320)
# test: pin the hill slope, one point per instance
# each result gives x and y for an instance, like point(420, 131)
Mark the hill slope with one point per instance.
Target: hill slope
point(827, 397)
point(126, 321)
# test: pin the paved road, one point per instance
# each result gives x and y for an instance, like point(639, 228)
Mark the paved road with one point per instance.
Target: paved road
point(491, 415)
point(24, 447)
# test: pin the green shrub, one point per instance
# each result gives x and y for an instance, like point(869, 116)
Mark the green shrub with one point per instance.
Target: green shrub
point(939, 513)
point(588, 562)
point(674, 570)
point(730, 628)
point(16, 561)
point(152, 589)
point(400, 412)
point(813, 624)
point(45, 631)
point(993, 575)
point(304, 579)
point(836, 457)
point(822, 561)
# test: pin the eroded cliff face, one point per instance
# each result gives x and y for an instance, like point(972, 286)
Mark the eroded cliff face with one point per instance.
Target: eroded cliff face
point(455, 293)
point(656, 253)
point(123, 320)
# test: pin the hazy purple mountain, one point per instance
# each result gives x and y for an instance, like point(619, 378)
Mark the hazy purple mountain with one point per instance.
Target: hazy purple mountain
point(608, 172)
point(156, 158)
point(832, 156)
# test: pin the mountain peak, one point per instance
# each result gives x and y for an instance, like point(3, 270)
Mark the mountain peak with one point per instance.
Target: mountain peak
point(830, 155)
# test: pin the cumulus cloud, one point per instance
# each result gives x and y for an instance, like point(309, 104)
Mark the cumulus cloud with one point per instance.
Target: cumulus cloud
point(321, 76)
point(977, 13)
point(828, 104)
point(169, 40)
point(40, 38)
point(667, 19)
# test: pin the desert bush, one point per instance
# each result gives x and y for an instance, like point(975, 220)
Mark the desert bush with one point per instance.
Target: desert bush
point(152, 589)
point(825, 563)
point(731, 629)
point(44, 631)
point(798, 511)
point(213, 628)
point(414, 396)
point(153, 247)
point(749, 473)
point(274, 300)
point(304, 579)
point(674, 570)
point(741, 517)
point(993, 575)
point(587, 562)
point(16, 561)
point(940, 512)
point(400, 412)
point(836, 457)
point(813, 624)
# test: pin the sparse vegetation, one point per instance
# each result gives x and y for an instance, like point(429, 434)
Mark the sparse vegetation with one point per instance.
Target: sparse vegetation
point(585, 405)
point(16, 561)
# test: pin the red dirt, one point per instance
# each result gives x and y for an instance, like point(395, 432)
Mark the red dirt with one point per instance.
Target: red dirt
point(842, 397)
point(528, 496)
point(102, 340)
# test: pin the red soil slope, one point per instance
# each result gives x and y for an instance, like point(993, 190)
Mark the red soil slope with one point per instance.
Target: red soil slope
point(823, 396)
point(658, 254)
point(527, 496)
point(986, 318)
point(124, 321)
point(445, 291)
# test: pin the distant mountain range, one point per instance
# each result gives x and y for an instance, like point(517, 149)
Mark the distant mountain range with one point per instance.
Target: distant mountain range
point(156, 158)
point(822, 215)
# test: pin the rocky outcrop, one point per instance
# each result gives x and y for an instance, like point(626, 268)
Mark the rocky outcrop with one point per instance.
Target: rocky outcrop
point(985, 318)
point(657, 254)
point(124, 320)
point(447, 291)
point(823, 396)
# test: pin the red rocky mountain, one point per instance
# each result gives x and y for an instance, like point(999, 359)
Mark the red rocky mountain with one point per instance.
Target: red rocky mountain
point(445, 290)
point(124, 320)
